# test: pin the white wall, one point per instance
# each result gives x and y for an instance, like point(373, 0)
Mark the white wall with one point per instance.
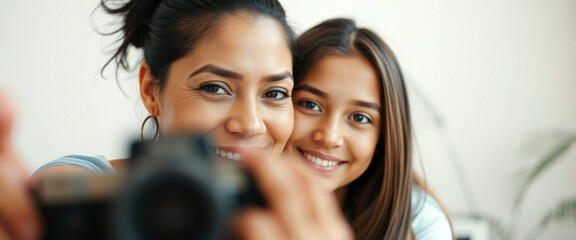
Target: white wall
point(500, 74)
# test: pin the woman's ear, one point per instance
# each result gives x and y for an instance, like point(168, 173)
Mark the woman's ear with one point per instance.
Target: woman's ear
point(148, 90)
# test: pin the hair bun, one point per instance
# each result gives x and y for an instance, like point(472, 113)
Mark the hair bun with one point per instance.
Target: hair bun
point(137, 16)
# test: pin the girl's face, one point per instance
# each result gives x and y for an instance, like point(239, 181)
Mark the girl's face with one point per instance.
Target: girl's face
point(337, 118)
point(234, 86)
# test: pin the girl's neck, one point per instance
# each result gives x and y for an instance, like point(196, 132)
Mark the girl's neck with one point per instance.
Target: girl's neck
point(340, 194)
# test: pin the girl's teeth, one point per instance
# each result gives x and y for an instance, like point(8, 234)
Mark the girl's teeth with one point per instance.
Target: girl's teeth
point(320, 162)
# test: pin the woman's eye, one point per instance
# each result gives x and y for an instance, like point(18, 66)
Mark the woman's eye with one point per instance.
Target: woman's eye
point(276, 95)
point(213, 88)
point(360, 118)
point(310, 105)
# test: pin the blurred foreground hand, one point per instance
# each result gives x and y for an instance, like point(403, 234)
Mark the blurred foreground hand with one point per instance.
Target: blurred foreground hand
point(18, 218)
point(299, 205)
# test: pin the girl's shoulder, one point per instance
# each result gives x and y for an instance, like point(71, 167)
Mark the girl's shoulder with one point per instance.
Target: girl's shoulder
point(96, 164)
point(429, 221)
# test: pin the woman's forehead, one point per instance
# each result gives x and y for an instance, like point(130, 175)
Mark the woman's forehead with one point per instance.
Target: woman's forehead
point(243, 45)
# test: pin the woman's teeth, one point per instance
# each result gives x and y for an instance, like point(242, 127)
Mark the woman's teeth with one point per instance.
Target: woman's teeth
point(320, 162)
point(229, 155)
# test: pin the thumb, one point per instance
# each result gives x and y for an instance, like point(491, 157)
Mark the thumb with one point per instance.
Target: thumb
point(7, 113)
point(7, 153)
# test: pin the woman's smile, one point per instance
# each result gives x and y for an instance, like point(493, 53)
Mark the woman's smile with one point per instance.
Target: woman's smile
point(236, 153)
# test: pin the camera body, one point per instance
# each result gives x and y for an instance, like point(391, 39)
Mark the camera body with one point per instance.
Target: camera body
point(171, 189)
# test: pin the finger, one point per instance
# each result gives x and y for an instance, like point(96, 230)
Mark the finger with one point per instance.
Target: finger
point(255, 224)
point(285, 194)
point(17, 213)
point(7, 115)
point(4, 234)
point(325, 213)
point(304, 199)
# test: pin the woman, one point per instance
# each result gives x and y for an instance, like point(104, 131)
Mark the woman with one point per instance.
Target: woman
point(218, 67)
point(353, 128)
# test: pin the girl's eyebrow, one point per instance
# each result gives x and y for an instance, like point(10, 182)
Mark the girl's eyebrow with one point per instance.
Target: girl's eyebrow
point(372, 105)
point(312, 90)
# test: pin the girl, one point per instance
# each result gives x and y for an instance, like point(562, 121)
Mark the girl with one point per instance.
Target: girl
point(353, 128)
point(218, 67)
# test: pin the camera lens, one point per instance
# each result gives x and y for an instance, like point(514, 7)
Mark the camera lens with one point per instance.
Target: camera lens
point(173, 207)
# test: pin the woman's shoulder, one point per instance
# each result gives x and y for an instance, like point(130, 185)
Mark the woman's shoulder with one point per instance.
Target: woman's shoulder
point(78, 163)
point(429, 221)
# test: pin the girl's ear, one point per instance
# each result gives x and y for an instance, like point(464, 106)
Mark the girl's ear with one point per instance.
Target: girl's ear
point(148, 90)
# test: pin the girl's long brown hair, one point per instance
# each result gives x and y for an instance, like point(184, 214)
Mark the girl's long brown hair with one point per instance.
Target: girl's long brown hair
point(378, 203)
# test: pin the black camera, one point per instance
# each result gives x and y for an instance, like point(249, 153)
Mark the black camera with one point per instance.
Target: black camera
point(172, 189)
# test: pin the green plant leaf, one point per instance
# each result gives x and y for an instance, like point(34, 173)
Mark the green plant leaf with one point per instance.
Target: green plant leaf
point(551, 158)
point(566, 210)
point(497, 227)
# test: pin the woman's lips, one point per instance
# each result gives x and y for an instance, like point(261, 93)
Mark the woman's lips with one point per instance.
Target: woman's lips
point(321, 162)
point(229, 155)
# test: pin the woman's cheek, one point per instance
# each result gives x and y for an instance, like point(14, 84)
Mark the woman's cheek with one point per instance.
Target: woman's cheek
point(167, 120)
point(195, 118)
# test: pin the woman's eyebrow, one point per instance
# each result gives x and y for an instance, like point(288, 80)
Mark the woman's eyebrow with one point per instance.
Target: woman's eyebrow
point(279, 77)
point(372, 105)
point(312, 90)
point(211, 68)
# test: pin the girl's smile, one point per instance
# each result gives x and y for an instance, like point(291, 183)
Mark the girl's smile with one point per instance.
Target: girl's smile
point(321, 162)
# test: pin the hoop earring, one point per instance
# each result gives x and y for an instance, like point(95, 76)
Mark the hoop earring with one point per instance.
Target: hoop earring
point(144, 124)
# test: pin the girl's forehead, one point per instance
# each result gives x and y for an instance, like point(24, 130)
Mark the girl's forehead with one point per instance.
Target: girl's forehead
point(343, 79)
point(355, 71)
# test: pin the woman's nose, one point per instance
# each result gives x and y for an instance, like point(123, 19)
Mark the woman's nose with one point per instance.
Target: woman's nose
point(246, 119)
point(329, 133)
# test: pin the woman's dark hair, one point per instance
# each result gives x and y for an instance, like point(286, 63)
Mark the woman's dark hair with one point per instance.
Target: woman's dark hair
point(167, 30)
point(378, 203)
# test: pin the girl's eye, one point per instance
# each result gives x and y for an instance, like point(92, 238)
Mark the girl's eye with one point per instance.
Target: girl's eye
point(214, 88)
point(360, 118)
point(310, 105)
point(276, 94)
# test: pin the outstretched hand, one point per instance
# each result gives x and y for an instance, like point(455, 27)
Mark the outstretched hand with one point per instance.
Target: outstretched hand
point(299, 205)
point(18, 218)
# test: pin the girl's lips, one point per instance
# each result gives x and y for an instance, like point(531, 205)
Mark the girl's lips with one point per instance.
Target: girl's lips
point(321, 162)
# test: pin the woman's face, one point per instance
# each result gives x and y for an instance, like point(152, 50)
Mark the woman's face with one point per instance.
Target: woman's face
point(234, 86)
point(337, 118)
